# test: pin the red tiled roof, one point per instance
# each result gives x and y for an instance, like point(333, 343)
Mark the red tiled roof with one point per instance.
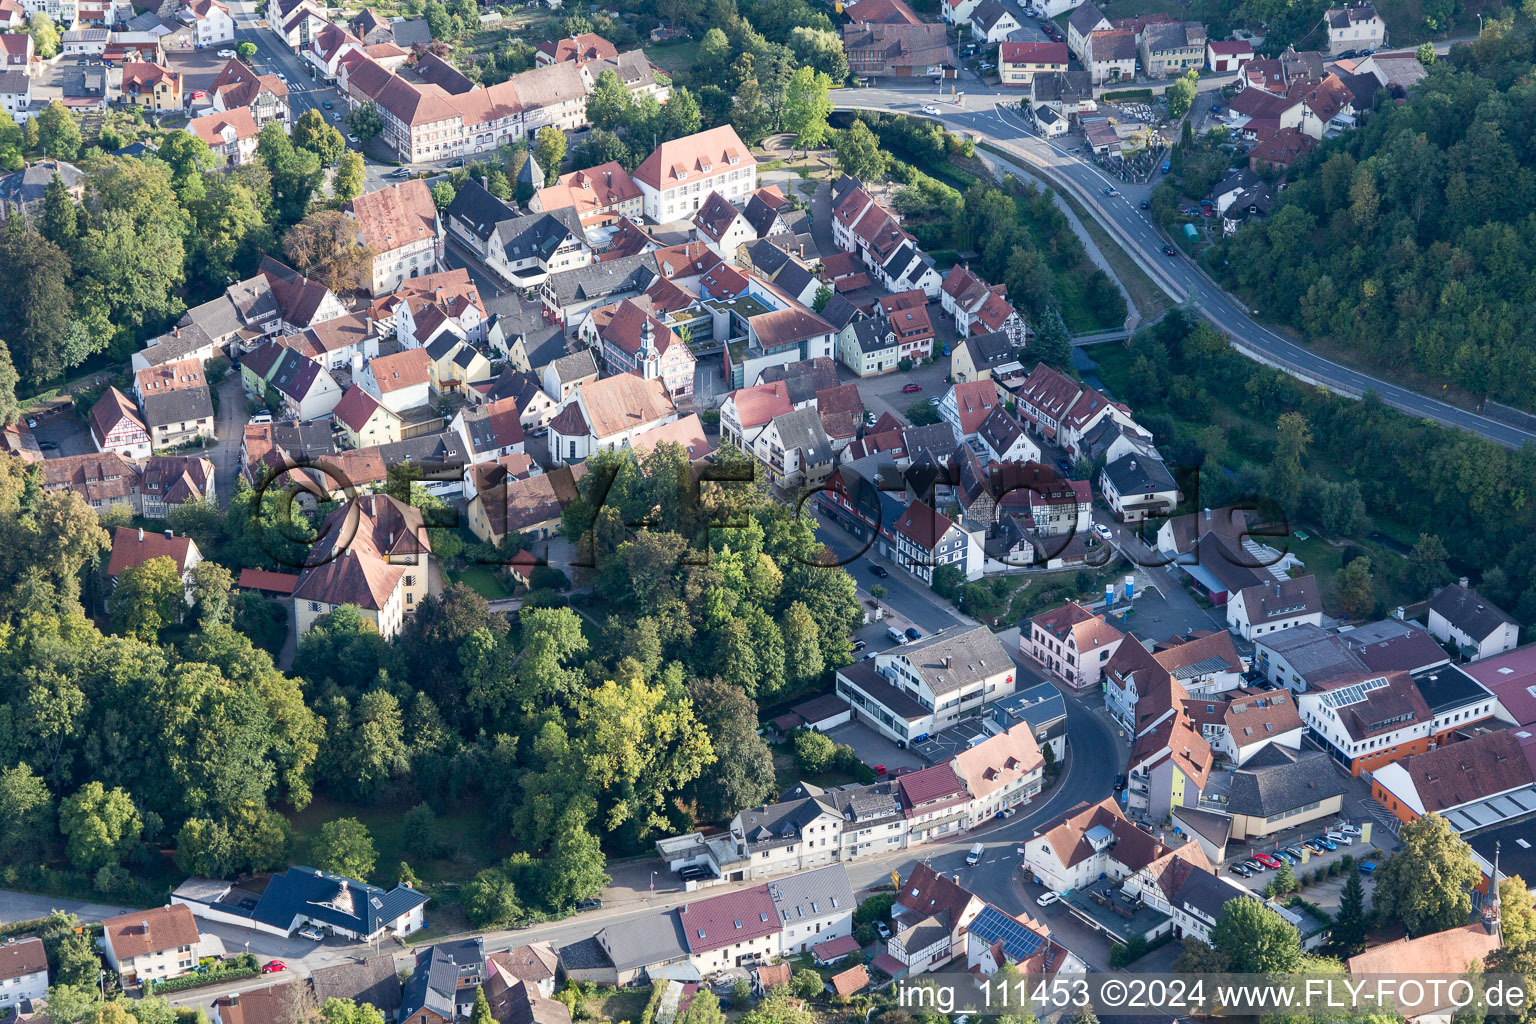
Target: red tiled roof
point(150, 931)
point(262, 579)
point(133, 547)
point(727, 919)
point(688, 158)
point(1032, 53)
point(935, 783)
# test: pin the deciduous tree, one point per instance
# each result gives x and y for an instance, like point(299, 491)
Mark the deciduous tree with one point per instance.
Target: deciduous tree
point(1255, 939)
point(101, 825)
point(345, 848)
point(1425, 886)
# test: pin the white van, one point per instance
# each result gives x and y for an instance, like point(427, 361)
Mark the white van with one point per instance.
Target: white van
point(974, 856)
point(896, 635)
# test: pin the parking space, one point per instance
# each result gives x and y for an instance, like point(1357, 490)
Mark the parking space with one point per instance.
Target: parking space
point(1294, 839)
point(198, 68)
point(63, 433)
point(951, 741)
point(874, 749)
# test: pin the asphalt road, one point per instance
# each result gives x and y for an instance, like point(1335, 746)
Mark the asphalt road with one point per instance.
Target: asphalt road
point(993, 116)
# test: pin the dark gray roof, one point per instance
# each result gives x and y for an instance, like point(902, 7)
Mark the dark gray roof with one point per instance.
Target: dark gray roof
point(812, 894)
point(27, 185)
point(1448, 687)
point(410, 32)
point(1085, 17)
point(184, 405)
point(446, 447)
point(972, 654)
point(1283, 782)
point(1467, 610)
point(645, 941)
point(1206, 894)
point(767, 257)
point(938, 438)
point(803, 378)
point(1137, 474)
point(611, 279)
point(537, 234)
point(760, 215)
point(874, 334)
point(1000, 429)
point(1040, 706)
point(435, 982)
point(803, 429)
point(575, 366)
point(839, 312)
point(585, 954)
point(372, 981)
point(218, 317)
point(987, 14)
point(331, 899)
point(1213, 825)
point(179, 344)
point(478, 210)
point(442, 345)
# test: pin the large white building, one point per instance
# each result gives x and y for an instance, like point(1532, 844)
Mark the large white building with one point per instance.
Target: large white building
point(921, 688)
point(679, 175)
point(401, 226)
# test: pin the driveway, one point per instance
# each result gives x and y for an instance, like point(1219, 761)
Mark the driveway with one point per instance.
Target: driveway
point(66, 430)
point(228, 435)
point(874, 749)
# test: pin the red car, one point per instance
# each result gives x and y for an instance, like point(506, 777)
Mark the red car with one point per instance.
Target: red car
point(912, 387)
point(273, 966)
point(1266, 860)
point(880, 769)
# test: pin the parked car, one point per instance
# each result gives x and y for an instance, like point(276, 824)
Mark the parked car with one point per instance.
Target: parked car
point(882, 929)
point(590, 904)
point(1267, 860)
point(226, 53)
point(1144, 827)
point(896, 636)
point(881, 769)
point(1367, 868)
point(1293, 851)
point(273, 966)
point(1327, 844)
point(1285, 856)
point(1340, 838)
point(1045, 899)
point(929, 108)
point(1064, 466)
point(859, 645)
point(48, 446)
point(878, 570)
point(326, 104)
point(1255, 866)
point(914, 634)
point(1119, 783)
point(352, 139)
point(310, 934)
point(1350, 830)
point(911, 388)
point(1239, 869)
point(1102, 531)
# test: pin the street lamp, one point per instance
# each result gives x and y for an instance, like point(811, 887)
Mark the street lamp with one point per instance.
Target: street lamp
point(653, 881)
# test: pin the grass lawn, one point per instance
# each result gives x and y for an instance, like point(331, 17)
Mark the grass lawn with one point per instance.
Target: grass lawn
point(466, 830)
point(619, 1004)
point(674, 57)
point(482, 579)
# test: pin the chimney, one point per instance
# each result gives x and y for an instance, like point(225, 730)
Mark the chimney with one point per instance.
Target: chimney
point(1463, 582)
point(169, 535)
point(1207, 514)
point(141, 535)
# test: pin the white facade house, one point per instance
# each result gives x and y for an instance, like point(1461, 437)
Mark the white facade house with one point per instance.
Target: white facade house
point(1460, 616)
point(677, 178)
point(23, 972)
point(927, 686)
point(154, 944)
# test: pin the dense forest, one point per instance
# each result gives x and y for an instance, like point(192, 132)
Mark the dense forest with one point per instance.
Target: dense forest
point(1253, 434)
point(571, 731)
point(1411, 240)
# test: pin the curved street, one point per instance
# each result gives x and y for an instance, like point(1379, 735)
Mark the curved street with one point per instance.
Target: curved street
point(993, 117)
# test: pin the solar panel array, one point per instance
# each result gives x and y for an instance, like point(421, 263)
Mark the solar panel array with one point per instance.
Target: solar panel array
point(1019, 943)
point(1344, 696)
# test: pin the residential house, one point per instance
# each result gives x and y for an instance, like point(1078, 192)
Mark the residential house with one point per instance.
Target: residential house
point(1045, 398)
point(102, 479)
point(1397, 645)
point(534, 964)
point(169, 481)
point(1019, 63)
point(1138, 487)
point(1241, 723)
point(794, 449)
point(1354, 28)
point(1476, 627)
point(1000, 772)
point(265, 97)
point(1089, 842)
point(1068, 94)
point(983, 356)
point(1170, 49)
point(606, 413)
point(1365, 721)
point(564, 375)
point(525, 339)
point(922, 539)
point(991, 22)
point(930, 921)
point(908, 315)
point(526, 250)
point(210, 20)
point(16, 91)
point(178, 416)
point(901, 50)
point(116, 426)
point(473, 215)
point(399, 381)
point(23, 973)
point(935, 800)
point(745, 413)
point(600, 195)
point(1112, 56)
point(722, 226)
point(151, 945)
point(1142, 686)
point(568, 295)
point(1072, 643)
point(1170, 766)
point(341, 343)
point(1464, 948)
point(1086, 19)
point(530, 507)
point(967, 405)
point(232, 135)
point(868, 346)
point(489, 431)
point(1304, 657)
point(132, 547)
point(151, 86)
point(400, 224)
point(679, 175)
point(1222, 56)
point(308, 897)
point(454, 365)
point(588, 46)
point(279, 1002)
point(442, 987)
point(374, 554)
point(1002, 436)
point(1272, 606)
point(925, 687)
point(16, 48)
point(1003, 939)
point(888, 12)
point(302, 303)
point(305, 389)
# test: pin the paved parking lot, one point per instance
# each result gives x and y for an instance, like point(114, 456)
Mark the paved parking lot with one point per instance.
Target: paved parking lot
point(67, 431)
point(951, 741)
point(874, 748)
